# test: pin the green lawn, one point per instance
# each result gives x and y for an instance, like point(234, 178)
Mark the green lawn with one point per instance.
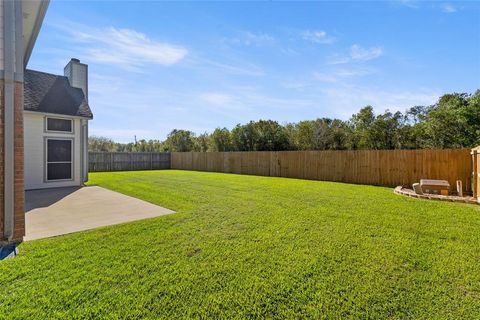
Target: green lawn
point(255, 247)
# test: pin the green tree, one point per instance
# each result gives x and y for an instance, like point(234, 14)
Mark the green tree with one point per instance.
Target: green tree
point(220, 140)
point(472, 116)
point(201, 143)
point(244, 137)
point(148, 146)
point(180, 140)
point(417, 114)
point(263, 135)
point(360, 124)
point(338, 135)
point(270, 136)
point(305, 135)
point(384, 131)
point(291, 130)
point(101, 144)
point(446, 124)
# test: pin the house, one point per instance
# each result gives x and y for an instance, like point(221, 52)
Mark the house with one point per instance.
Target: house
point(55, 120)
point(44, 122)
point(20, 22)
point(44, 118)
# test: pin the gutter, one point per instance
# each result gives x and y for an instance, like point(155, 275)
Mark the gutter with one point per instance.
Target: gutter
point(53, 115)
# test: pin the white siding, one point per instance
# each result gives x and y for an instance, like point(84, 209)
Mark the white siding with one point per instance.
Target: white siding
point(34, 124)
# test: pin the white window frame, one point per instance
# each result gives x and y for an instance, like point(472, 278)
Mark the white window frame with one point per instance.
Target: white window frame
point(72, 145)
point(60, 118)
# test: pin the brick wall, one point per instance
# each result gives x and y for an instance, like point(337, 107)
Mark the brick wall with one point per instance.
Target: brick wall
point(19, 198)
point(19, 201)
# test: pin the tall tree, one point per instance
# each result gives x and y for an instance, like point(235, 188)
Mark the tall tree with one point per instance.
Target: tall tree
point(338, 135)
point(220, 140)
point(383, 133)
point(180, 140)
point(360, 124)
point(270, 136)
point(446, 125)
point(201, 142)
point(244, 137)
point(101, 144)
point(472, 116)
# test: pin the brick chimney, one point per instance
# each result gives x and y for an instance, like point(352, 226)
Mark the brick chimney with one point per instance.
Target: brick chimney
point(77, 74)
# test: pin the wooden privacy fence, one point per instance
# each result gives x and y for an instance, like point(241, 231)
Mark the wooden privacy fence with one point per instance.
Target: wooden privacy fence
point(373, 167)
point(123, 161)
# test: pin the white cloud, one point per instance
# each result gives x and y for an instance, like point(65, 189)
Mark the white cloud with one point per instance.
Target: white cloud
point(341, 75)
point(241, 68)
point(296, 85)
point(124, 47)
point(248, 38)
point(318, 36)
point(357, 54)
point(216, 98)
point(409, 3)
point(364, 54)
point(446, 7)
point(449, 8)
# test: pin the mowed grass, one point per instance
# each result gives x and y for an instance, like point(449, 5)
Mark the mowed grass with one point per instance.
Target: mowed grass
point(255, 247)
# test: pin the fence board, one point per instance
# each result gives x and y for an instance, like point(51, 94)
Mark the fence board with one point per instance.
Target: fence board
point(374, 167)
point(123, 161)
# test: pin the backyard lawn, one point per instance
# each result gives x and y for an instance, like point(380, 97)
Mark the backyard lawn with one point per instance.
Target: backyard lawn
point(255, 247)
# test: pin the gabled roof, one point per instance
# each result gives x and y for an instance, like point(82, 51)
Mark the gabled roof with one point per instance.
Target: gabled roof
point(49, 93)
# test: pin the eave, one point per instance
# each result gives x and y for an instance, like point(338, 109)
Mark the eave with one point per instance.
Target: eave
point(33, 14)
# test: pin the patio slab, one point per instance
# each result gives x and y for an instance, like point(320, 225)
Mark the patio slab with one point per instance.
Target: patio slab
point(54, 212)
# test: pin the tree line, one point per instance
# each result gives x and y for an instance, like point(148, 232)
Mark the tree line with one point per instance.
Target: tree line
point(452, 122)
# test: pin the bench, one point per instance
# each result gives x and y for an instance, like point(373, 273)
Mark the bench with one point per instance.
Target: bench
point(435, 186)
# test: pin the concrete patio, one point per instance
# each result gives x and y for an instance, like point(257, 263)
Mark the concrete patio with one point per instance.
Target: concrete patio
point(54, 212)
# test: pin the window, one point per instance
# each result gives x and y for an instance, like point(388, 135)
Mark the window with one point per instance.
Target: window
point(59, 159)
point(62, 125)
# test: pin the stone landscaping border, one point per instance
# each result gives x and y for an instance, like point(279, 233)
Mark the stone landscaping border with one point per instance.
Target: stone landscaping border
point(410, 193)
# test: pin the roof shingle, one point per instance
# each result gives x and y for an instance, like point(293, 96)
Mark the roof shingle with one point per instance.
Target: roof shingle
point(49, 93)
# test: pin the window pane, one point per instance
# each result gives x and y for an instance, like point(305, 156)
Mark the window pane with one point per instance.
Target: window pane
point(57, 171)
point(59, 150)
point(59, 125)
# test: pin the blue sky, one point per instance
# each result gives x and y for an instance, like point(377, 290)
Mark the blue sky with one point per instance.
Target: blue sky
point(156, 66)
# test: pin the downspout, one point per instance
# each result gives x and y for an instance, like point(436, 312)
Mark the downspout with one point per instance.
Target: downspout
point(85, 144)
point(12, 20)
point(84, 150)
point(82, 176)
